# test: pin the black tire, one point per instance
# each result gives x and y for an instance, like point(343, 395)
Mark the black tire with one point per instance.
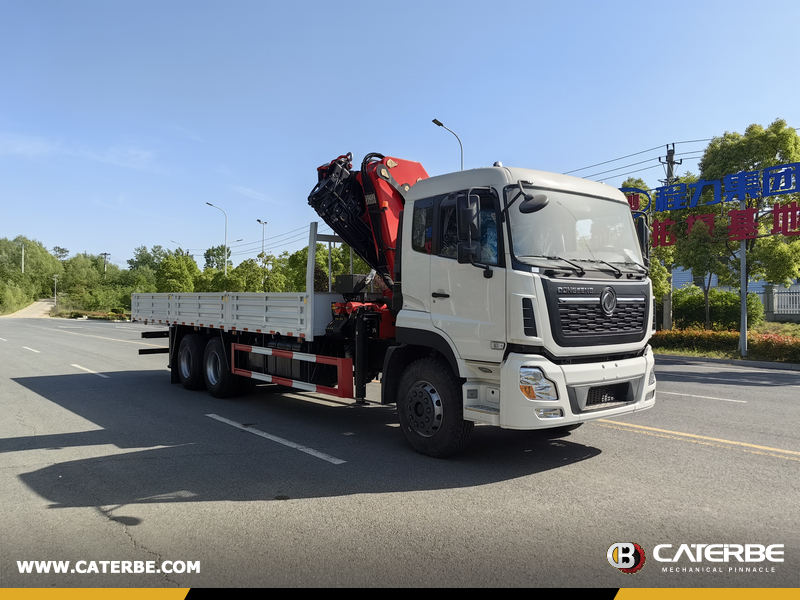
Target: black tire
point(430, 409)
point(190, 361)
point(221, 383)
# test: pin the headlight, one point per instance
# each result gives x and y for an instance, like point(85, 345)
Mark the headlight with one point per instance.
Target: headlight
point(652, 378)
point(535, 386)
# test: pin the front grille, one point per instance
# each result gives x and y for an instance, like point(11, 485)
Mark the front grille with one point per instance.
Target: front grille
point(577, 317)
point(584, 318)
point(606, 394)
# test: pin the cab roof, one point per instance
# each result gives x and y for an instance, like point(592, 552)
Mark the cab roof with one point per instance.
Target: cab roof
point(499, 177)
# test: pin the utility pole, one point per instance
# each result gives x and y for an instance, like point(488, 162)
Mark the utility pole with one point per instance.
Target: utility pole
point(105, 256)
point(55, 290)
point(670, 162)
point(670, 180)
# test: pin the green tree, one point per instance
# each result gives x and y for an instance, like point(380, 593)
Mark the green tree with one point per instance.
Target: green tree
point(60, 253)
point(142, 257)
point(773, 258)
point(214, 258)
point(176, 273)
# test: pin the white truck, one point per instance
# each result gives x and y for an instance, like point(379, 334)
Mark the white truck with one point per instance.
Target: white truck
point(515, 297)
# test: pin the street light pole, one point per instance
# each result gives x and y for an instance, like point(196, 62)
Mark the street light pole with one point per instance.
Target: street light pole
point(440, 124)
point(225, 253)
point(263, 228)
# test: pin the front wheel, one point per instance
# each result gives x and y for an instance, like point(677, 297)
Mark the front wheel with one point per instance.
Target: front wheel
point(430, 409)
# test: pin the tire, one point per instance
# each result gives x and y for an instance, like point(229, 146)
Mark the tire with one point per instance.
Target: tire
point(221, 383)
point(190, 361)
point(430, 409)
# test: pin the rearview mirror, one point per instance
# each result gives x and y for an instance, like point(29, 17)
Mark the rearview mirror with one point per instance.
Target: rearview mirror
point(643, 232)
point(468, 218)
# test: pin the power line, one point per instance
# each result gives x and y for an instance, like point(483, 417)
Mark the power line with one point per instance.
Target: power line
point(641, 162)
point(634, 154)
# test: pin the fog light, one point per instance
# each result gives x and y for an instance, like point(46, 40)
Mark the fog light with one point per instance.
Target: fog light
point(535, 386)
point(549, 413)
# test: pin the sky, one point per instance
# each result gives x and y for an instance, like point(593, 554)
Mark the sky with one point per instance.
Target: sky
point(119, 121)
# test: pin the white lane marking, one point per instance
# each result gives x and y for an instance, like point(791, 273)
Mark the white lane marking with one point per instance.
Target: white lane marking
point(32, 350)
point(274, 438)
point(90, 371)
point(705, 397)
point(70, 327)
point(3, 340)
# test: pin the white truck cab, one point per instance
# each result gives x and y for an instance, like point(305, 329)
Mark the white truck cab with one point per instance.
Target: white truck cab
point(548, 326)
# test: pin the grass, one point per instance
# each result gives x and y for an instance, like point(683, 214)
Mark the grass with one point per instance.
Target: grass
point(792, 329)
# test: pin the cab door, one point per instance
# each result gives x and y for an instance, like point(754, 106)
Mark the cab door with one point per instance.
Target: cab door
point(465, 305)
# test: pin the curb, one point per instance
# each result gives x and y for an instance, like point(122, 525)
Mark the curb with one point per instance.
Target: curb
point(756, 364)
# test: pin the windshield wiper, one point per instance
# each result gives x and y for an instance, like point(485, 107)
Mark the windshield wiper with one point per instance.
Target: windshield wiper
point(643, 270)
point(579, 270)
point(617, 272)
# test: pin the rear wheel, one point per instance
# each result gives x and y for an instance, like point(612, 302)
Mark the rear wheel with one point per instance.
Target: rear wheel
point(190, 361)
point(221, 383)
point(430, 409)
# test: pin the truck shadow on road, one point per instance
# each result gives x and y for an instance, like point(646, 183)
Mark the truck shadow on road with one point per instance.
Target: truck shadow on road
point(178, 454)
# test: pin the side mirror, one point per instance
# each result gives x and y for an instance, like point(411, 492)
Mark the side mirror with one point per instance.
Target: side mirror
point(468, 218)
point(643, 232)
point(468, 252)
point(531, 204)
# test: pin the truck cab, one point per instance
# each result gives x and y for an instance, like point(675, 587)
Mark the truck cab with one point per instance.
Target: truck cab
point(541, 305)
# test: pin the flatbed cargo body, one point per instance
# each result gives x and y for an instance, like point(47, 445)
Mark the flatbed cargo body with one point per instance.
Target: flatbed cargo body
point(515, 298)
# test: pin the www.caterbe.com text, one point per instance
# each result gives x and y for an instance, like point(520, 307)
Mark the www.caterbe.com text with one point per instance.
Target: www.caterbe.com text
point(108, 566)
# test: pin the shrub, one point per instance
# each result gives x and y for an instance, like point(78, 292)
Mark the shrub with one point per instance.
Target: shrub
point(688, 309)
point(769, 347)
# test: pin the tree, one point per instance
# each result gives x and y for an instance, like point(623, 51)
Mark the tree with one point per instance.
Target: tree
point(59, 252)
point(18, 289)
point(176, 273)
point(773, 258)
point(142, 257)
point(214, 258)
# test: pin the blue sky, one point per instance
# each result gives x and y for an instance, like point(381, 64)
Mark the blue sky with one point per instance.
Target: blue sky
point(120, 120)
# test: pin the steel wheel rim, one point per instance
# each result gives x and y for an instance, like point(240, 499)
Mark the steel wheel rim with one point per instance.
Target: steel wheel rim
point(212, 368)
point(186, 363)
point(423, 409)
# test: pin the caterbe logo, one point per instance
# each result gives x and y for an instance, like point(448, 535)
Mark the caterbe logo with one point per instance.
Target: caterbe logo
point(575, 290)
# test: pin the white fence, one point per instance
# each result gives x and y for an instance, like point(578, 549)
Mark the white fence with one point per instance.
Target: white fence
point(787, 303)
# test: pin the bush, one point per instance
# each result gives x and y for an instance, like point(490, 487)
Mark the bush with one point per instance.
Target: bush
point(689, 309)
point(769, 347)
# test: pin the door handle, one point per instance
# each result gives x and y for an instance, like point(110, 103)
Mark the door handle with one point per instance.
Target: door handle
point(440, 295)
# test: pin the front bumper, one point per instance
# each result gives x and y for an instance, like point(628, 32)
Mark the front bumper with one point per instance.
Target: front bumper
point(585, 392)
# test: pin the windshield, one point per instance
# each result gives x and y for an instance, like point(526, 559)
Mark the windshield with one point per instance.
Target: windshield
point(573, 227)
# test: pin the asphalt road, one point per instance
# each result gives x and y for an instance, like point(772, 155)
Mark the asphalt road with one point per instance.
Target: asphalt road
point(103, 460)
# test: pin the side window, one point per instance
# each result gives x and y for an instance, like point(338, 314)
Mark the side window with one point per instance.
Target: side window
point(422, 226)
point(449, 230)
